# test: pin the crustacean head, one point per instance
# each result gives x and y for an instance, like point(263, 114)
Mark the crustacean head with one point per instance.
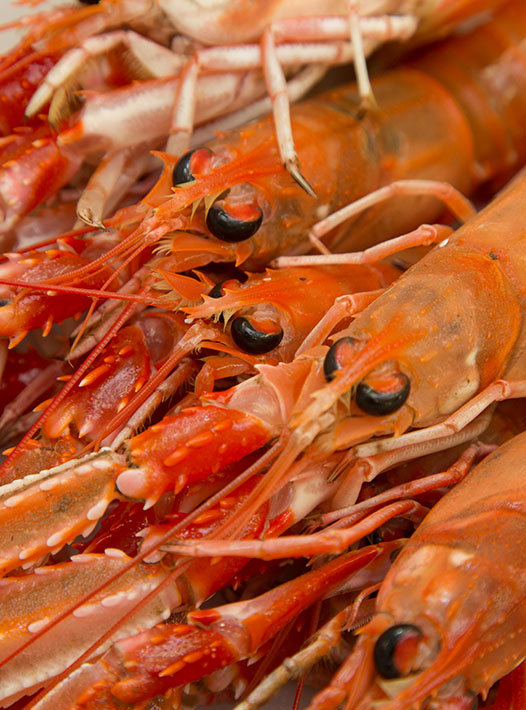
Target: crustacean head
point(423, 348)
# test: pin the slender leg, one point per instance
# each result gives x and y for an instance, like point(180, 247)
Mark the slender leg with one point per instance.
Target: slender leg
point(452, 198)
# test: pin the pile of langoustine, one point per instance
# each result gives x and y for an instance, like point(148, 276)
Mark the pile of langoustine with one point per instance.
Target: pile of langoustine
point(307, 429)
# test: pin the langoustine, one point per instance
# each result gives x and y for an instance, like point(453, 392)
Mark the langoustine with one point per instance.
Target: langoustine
point(447, 619)
point(331, 541)
point(169, 656)
point(449, 615)
point(265, 214)
point(403, 100)
point(396, 368)
point(284, 35)
point(256, 248)
point(487, 246)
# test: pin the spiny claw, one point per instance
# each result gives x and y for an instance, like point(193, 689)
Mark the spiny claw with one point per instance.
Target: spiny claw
point(32, 602)
point(34, 516)
point(187, 447)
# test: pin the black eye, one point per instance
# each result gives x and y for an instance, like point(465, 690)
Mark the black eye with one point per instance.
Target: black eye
point(253, 341)
point(338, 353)
point(386, 646)
point(217, 290)
point(89, 2)
point(4, 302)
point(377, 403)
point(195, 161)
point(239, 223)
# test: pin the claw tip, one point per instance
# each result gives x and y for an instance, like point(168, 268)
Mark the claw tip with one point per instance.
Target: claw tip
point(300, 179)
